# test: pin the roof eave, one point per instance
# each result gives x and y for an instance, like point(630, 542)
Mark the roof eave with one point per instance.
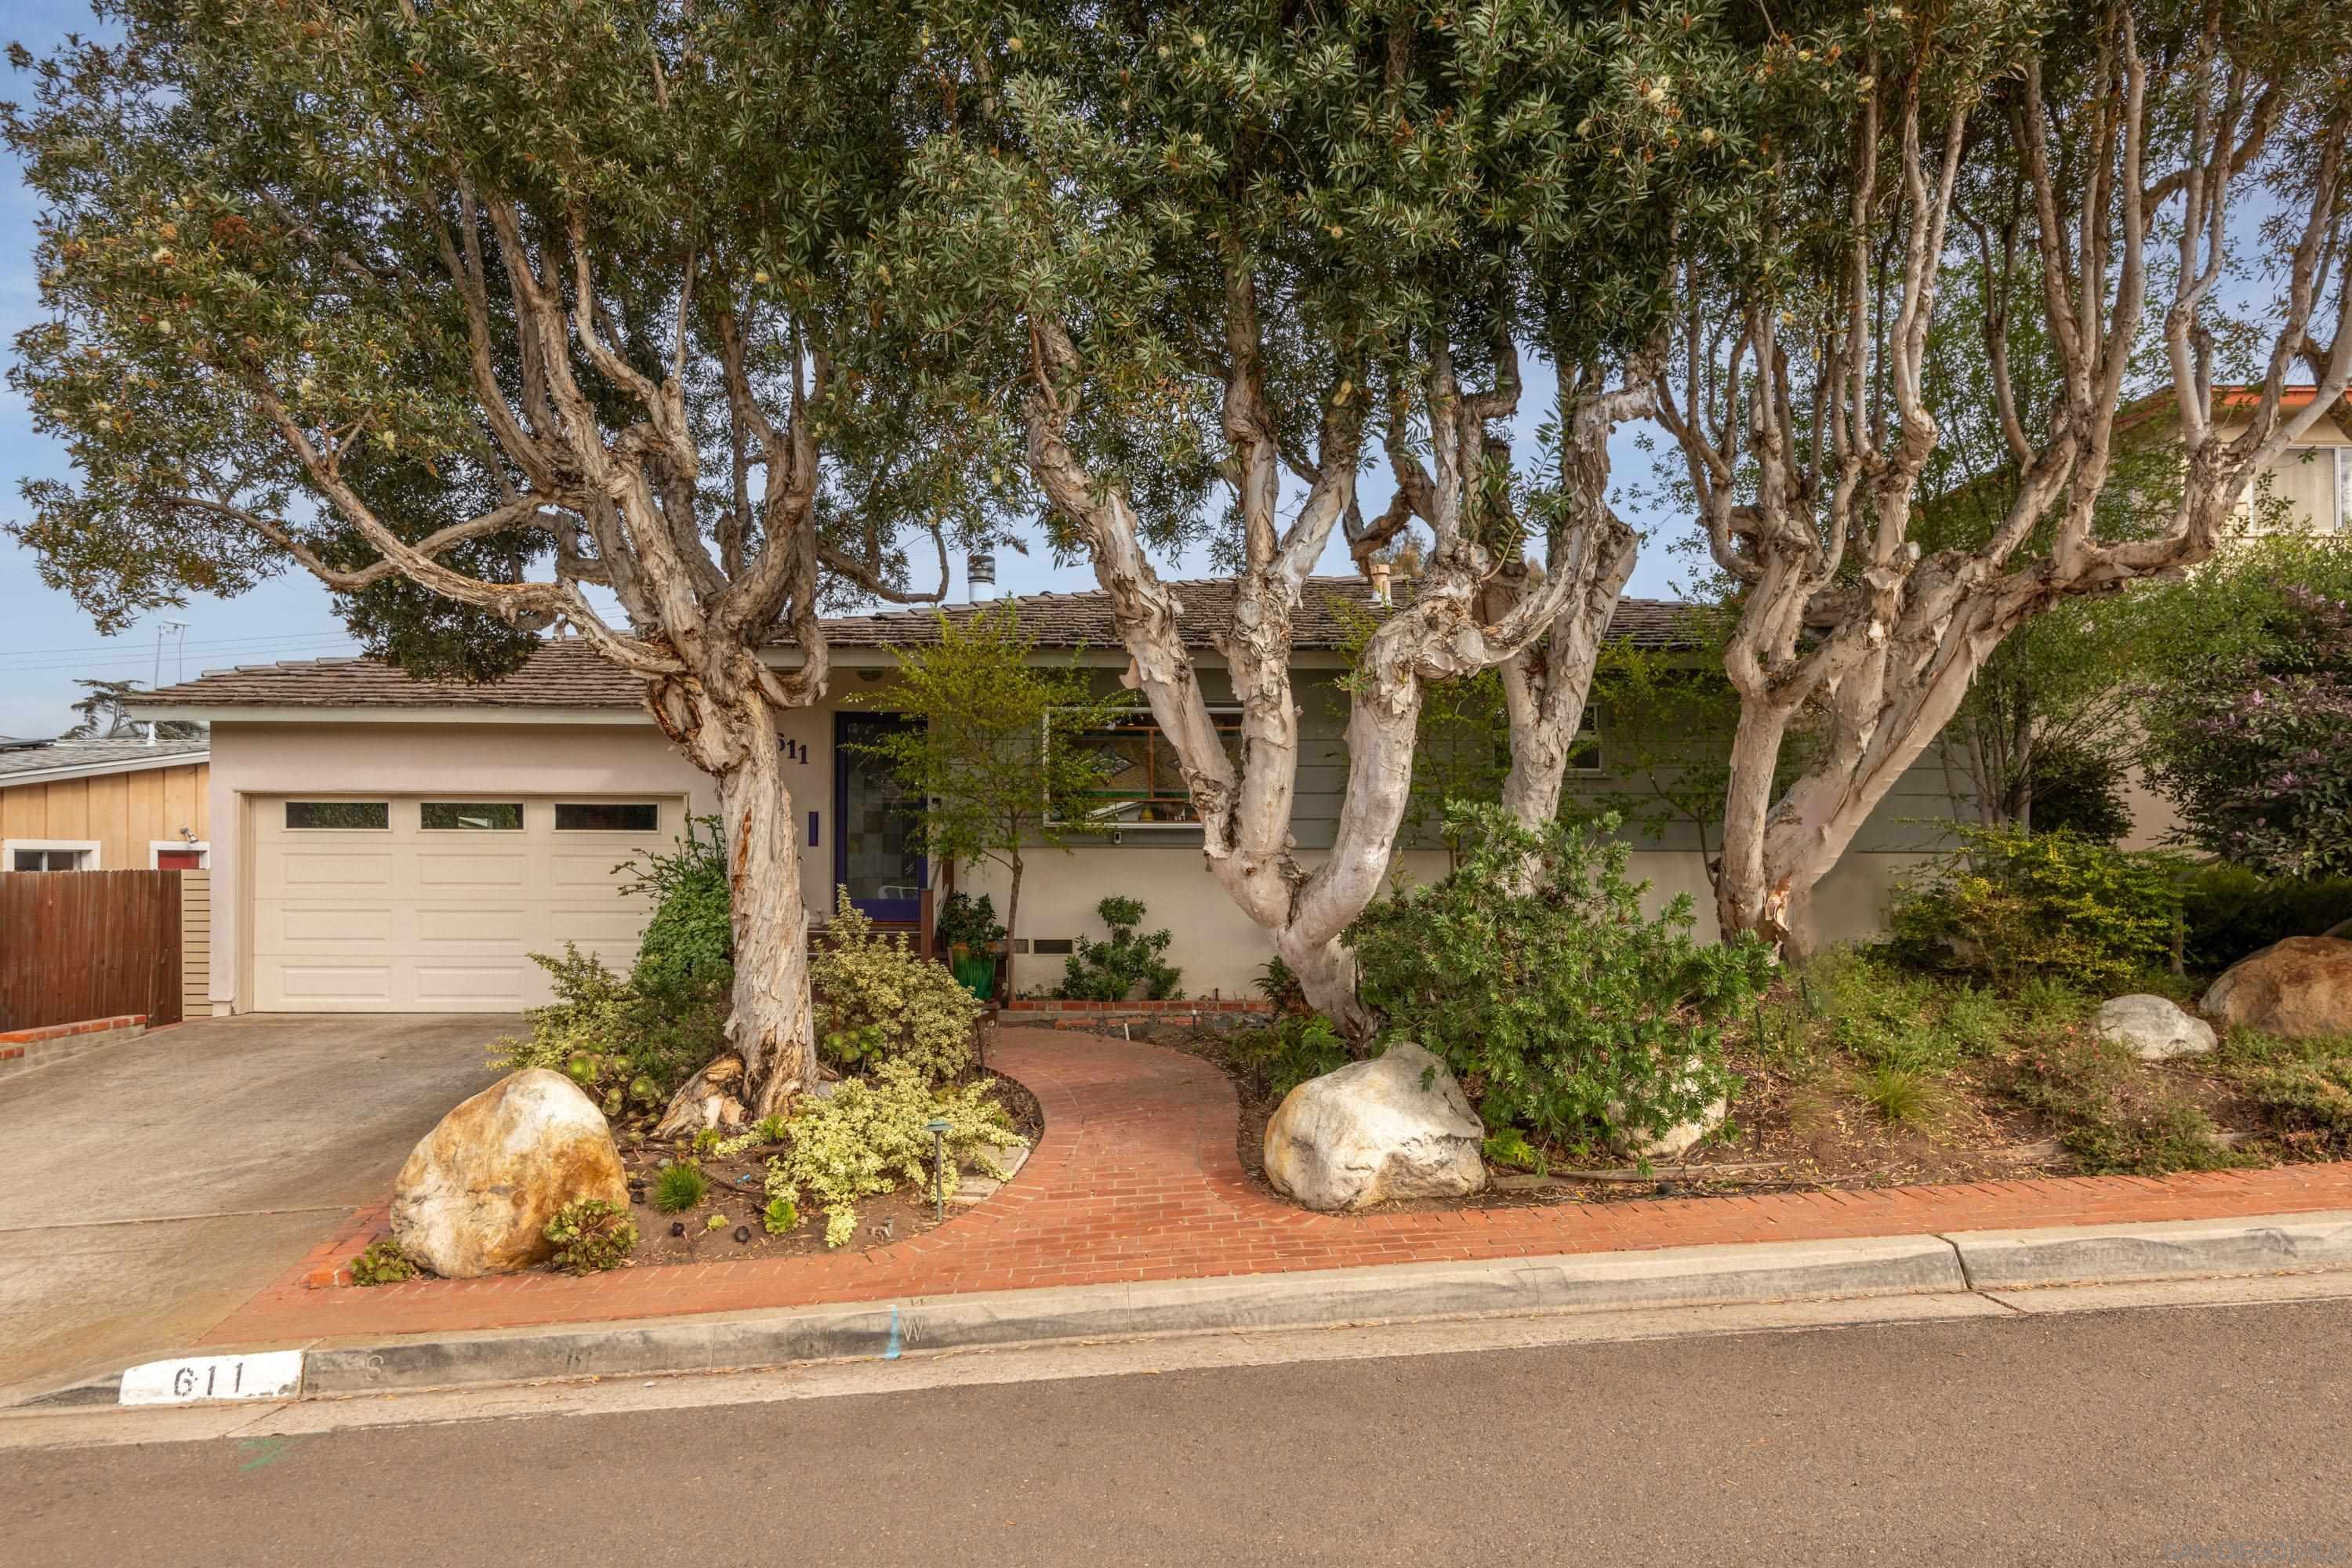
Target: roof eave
point(68, 772)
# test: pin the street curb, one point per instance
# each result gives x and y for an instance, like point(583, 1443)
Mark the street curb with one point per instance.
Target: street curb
point(1675, 1277)
point(2168, 1249)
point(1958, 1263)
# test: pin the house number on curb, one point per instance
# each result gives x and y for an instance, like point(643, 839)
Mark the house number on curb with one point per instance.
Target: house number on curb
point(267, 1374)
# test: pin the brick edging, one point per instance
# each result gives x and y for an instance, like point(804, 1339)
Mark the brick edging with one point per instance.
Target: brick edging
point(62, 1031)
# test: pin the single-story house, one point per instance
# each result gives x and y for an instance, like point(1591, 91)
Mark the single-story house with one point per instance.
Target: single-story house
point(118, 805)
point(382, 844)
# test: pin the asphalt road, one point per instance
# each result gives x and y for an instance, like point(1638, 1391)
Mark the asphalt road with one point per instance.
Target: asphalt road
point(148, 1189)
point(2111, 1438)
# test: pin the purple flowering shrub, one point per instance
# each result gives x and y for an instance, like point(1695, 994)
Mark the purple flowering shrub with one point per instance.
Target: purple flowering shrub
point(2253, 746)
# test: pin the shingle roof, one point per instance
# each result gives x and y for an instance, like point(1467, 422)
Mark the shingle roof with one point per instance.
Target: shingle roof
point(565, 673)
point(68, 755)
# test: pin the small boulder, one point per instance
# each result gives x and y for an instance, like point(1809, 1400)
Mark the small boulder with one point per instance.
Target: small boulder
point(2153, 1028)
point(1398, 1126)
point(2300, 988)
point(480, 1189)
point(1683, 1137)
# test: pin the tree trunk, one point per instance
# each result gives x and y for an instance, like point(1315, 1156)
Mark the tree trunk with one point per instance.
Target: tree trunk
point(771, 1034)
point(1012, 924)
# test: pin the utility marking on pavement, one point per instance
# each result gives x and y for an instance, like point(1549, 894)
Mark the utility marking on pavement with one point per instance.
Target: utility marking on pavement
point(265, 1374)
point(263, 1452)
point(890, 1352)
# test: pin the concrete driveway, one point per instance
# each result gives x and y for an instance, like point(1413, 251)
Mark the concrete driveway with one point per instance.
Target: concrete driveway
point(147, 1189)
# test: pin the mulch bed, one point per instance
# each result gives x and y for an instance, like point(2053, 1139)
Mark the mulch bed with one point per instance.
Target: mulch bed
point(1783, 1137)
point(738, 1196)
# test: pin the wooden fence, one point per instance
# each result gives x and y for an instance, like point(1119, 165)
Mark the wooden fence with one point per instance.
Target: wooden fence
point(76, 946)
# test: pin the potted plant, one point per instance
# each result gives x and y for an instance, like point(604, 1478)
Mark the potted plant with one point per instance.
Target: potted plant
point(970, 930)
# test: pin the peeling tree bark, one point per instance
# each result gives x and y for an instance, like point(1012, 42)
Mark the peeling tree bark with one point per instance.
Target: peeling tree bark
point(1881, 657)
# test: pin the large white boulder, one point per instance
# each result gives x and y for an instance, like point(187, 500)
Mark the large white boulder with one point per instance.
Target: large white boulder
point(478, 1190)
point(1397, 1126)
point(2300, 988)
point(2153, 1028)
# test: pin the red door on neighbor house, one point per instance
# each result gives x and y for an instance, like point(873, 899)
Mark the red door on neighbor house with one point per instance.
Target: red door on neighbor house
point(179, 860)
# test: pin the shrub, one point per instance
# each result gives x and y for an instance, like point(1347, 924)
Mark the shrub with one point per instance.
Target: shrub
point(2112, 1116)
point(2079, 791)
point(2252, 741)
point(591, 1235)
point(2010, 906)
point(1286, 1053)
point(2309, 1102)
point(690, 939)
point(680, 1187)
point(1886, 1016)
point(878, 1003)
point(382, 1264)
point(628, 1048)
point(872, 1134)
point(2231, 911)
point(1110, 971)
point(1533, 971)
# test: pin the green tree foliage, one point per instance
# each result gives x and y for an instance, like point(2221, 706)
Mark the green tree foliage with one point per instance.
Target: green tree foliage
point(2251, 739)
point(997, 749)
point(1533, 971)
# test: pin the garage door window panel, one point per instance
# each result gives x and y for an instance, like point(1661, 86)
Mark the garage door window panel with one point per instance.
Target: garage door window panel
point(470, 817)
point(607, 816)
point(338, 816)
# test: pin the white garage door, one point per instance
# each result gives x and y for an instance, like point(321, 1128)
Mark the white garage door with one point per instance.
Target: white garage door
point(429, 904)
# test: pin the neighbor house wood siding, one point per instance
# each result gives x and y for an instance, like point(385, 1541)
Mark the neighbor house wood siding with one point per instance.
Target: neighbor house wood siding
point(195, 944)
point(122, 812)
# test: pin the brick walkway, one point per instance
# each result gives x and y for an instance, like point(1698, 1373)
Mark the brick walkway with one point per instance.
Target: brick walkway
point(1136, 1178)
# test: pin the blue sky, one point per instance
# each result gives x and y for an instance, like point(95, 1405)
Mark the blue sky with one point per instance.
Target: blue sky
point(46, 640)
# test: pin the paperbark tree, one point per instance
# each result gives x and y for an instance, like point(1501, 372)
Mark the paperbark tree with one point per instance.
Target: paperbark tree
point(1796, 391)
point(1237, 235)
point(548, 335)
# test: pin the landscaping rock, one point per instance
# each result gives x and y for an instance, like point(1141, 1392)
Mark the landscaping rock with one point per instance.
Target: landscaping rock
point(1682, 1137)
point(2299, 988)
point(1371, 1131)
point(2154, 1028)
point(478, 1190)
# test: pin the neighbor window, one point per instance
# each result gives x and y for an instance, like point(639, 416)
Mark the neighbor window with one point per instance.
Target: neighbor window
point(362, 814)
point(1142, 781)
point(606, 817)
point(1584, 757)
point(474, 816)
point(53, 858)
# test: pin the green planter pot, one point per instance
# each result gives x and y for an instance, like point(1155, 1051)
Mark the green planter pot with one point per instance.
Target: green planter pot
point(976, 973)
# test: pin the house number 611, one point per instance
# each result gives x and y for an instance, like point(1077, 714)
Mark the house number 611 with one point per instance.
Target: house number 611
point(795, 752)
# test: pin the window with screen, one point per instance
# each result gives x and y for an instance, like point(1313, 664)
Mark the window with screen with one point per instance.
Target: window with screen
point(309, 816)
point(1142, 783)
point(49, 860)
point(606, 817)
point(470, 815)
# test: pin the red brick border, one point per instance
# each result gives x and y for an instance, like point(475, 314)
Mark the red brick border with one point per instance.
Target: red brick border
point(1136, 1178)
point(62, 1031)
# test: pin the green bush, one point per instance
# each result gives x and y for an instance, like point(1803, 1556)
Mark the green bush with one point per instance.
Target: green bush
point(1533, 971)
point(1112, 971)
point(382, 1264)
point(2112, 1115)
point(629, 1047)
point(872, 1134)
point(680, 1187)
point(2229, 911)
point(1883, 1016)
point(1287, 1052)
point(878, 1003)
point(690, 939)
point(2010, 907)
point(2309, 1102)
point(966, 921)
point(591, 1235)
